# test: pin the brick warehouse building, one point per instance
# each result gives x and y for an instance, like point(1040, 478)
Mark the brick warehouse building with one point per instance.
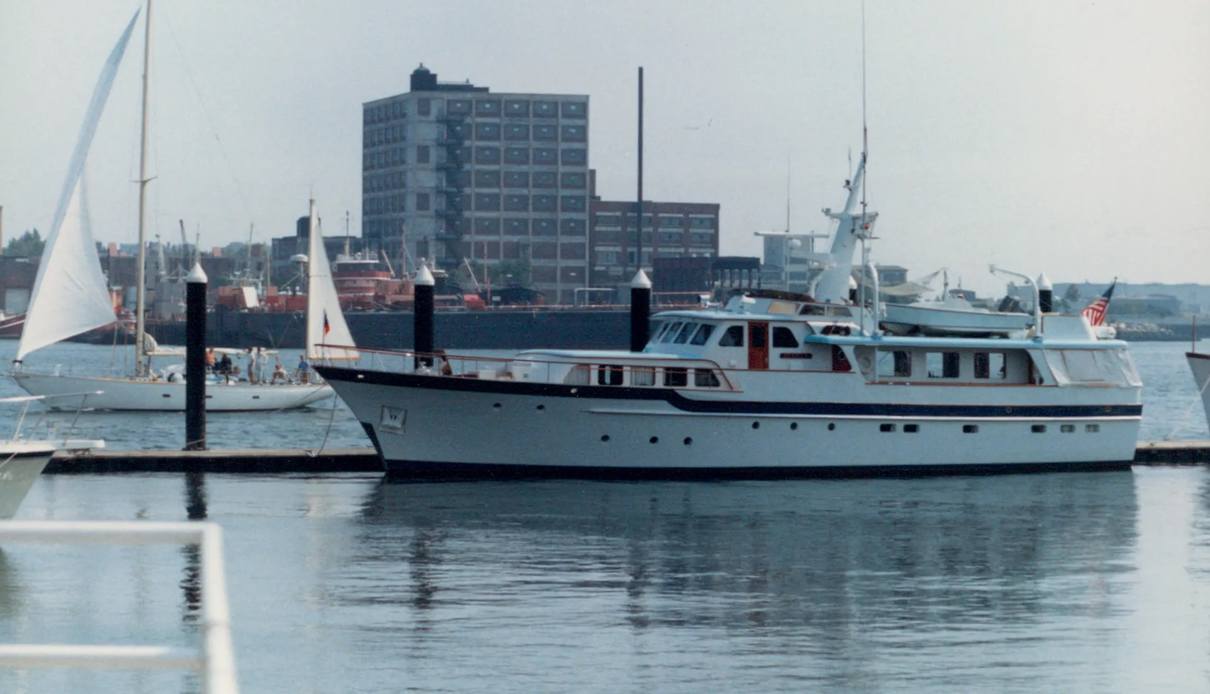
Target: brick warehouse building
point(670, 230)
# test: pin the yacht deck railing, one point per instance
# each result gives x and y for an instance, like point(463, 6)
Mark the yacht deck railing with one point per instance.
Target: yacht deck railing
point(214, 659)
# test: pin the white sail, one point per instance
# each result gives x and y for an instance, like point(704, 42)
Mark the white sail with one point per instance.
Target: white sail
point(70, 295)
point(325, 321)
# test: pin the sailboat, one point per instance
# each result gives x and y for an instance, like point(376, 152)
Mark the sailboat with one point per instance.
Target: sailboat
point(70, 296)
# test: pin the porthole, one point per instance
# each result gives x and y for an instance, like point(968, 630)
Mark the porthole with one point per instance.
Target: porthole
point(970, 428)
point(1038, 428)
point(688, 441)
point(911, 428)
point(886, 428)
point(793, 426)
point(654, 439)
point(496, 405)
point(541, 407)
point(831, 426)
point(605, 438)
point(1067, 428)
point(755, 425)
point(1092, 428)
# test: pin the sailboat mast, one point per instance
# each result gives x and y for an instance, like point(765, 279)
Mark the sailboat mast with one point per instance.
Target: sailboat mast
point(140, 357)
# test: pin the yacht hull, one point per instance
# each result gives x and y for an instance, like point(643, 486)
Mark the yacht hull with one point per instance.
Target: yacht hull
point(21, 462)
point(127, 394)
point(430, 424)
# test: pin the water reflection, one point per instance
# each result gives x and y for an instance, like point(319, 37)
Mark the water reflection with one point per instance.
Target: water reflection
point(833, 569)
point(191, 586)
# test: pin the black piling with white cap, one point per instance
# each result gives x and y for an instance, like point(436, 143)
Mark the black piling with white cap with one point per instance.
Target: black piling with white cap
point(195, 359)
point(1046, 294)
point(640, 310)
point(422, 317)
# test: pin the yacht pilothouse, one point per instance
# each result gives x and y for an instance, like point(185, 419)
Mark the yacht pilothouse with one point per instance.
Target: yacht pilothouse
point(768, 384)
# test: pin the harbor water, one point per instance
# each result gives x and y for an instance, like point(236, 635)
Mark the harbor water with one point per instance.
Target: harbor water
point(344, 583)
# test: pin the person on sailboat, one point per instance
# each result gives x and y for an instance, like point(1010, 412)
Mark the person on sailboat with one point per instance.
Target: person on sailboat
point(251, 366)
point(224, 367)
point(279, 373)
point(303, 372)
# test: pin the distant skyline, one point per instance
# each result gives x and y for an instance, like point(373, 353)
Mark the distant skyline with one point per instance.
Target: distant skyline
point(1065, 137)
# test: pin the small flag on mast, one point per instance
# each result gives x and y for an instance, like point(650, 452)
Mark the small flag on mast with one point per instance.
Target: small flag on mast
point(1095, 312)
point(327, 327)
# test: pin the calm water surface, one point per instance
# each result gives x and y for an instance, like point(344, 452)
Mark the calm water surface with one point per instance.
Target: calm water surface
point(1051, 582)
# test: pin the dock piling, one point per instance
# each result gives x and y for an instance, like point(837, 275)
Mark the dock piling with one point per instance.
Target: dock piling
point(195, 359)
point(422, 317)
point(640, 310)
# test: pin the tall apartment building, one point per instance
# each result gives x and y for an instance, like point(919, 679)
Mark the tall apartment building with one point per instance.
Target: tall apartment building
point(455, 171)
point(670, 230)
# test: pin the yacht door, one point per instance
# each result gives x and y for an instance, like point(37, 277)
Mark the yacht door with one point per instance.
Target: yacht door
point(758, 345)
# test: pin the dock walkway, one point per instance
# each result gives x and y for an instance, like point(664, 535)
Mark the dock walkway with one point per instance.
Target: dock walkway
point(259, 461)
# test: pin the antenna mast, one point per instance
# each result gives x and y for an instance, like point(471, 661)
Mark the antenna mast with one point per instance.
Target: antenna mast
point(865, 138)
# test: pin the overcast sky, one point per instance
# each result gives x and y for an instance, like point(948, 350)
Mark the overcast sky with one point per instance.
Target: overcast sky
point(1071, 137)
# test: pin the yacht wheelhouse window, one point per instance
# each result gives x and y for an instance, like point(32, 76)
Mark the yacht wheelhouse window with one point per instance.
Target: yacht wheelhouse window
point(705, 378)
point(734, 337)
point(642, 376)
point(675, 377)
point(784, 337)
point(609, 375)
point(671, 332)
point(990, 365)
point(942, 364)
point(702, 334)
point(683, 336)
point(657, 327)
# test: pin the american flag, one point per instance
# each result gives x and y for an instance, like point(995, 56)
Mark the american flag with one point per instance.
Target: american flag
point(1095, 312)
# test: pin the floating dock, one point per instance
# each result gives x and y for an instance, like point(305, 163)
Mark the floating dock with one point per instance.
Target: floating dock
point(259, 461)
point(255, 461)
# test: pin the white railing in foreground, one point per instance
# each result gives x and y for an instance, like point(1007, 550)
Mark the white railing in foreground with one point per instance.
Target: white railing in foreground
point(216, 660)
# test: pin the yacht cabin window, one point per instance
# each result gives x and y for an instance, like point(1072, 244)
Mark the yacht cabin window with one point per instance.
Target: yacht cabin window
point(609, 375)
point(784, 337)
point(942, 364)
point(675, 377)
point(990, 365)
point(894, 364)
point(705, 378)
point(733, 337)
point(642, 376)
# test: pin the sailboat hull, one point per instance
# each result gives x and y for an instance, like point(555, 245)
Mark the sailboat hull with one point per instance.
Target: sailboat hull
point(1199, 363)
point(141, 395)
point(20, 464)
